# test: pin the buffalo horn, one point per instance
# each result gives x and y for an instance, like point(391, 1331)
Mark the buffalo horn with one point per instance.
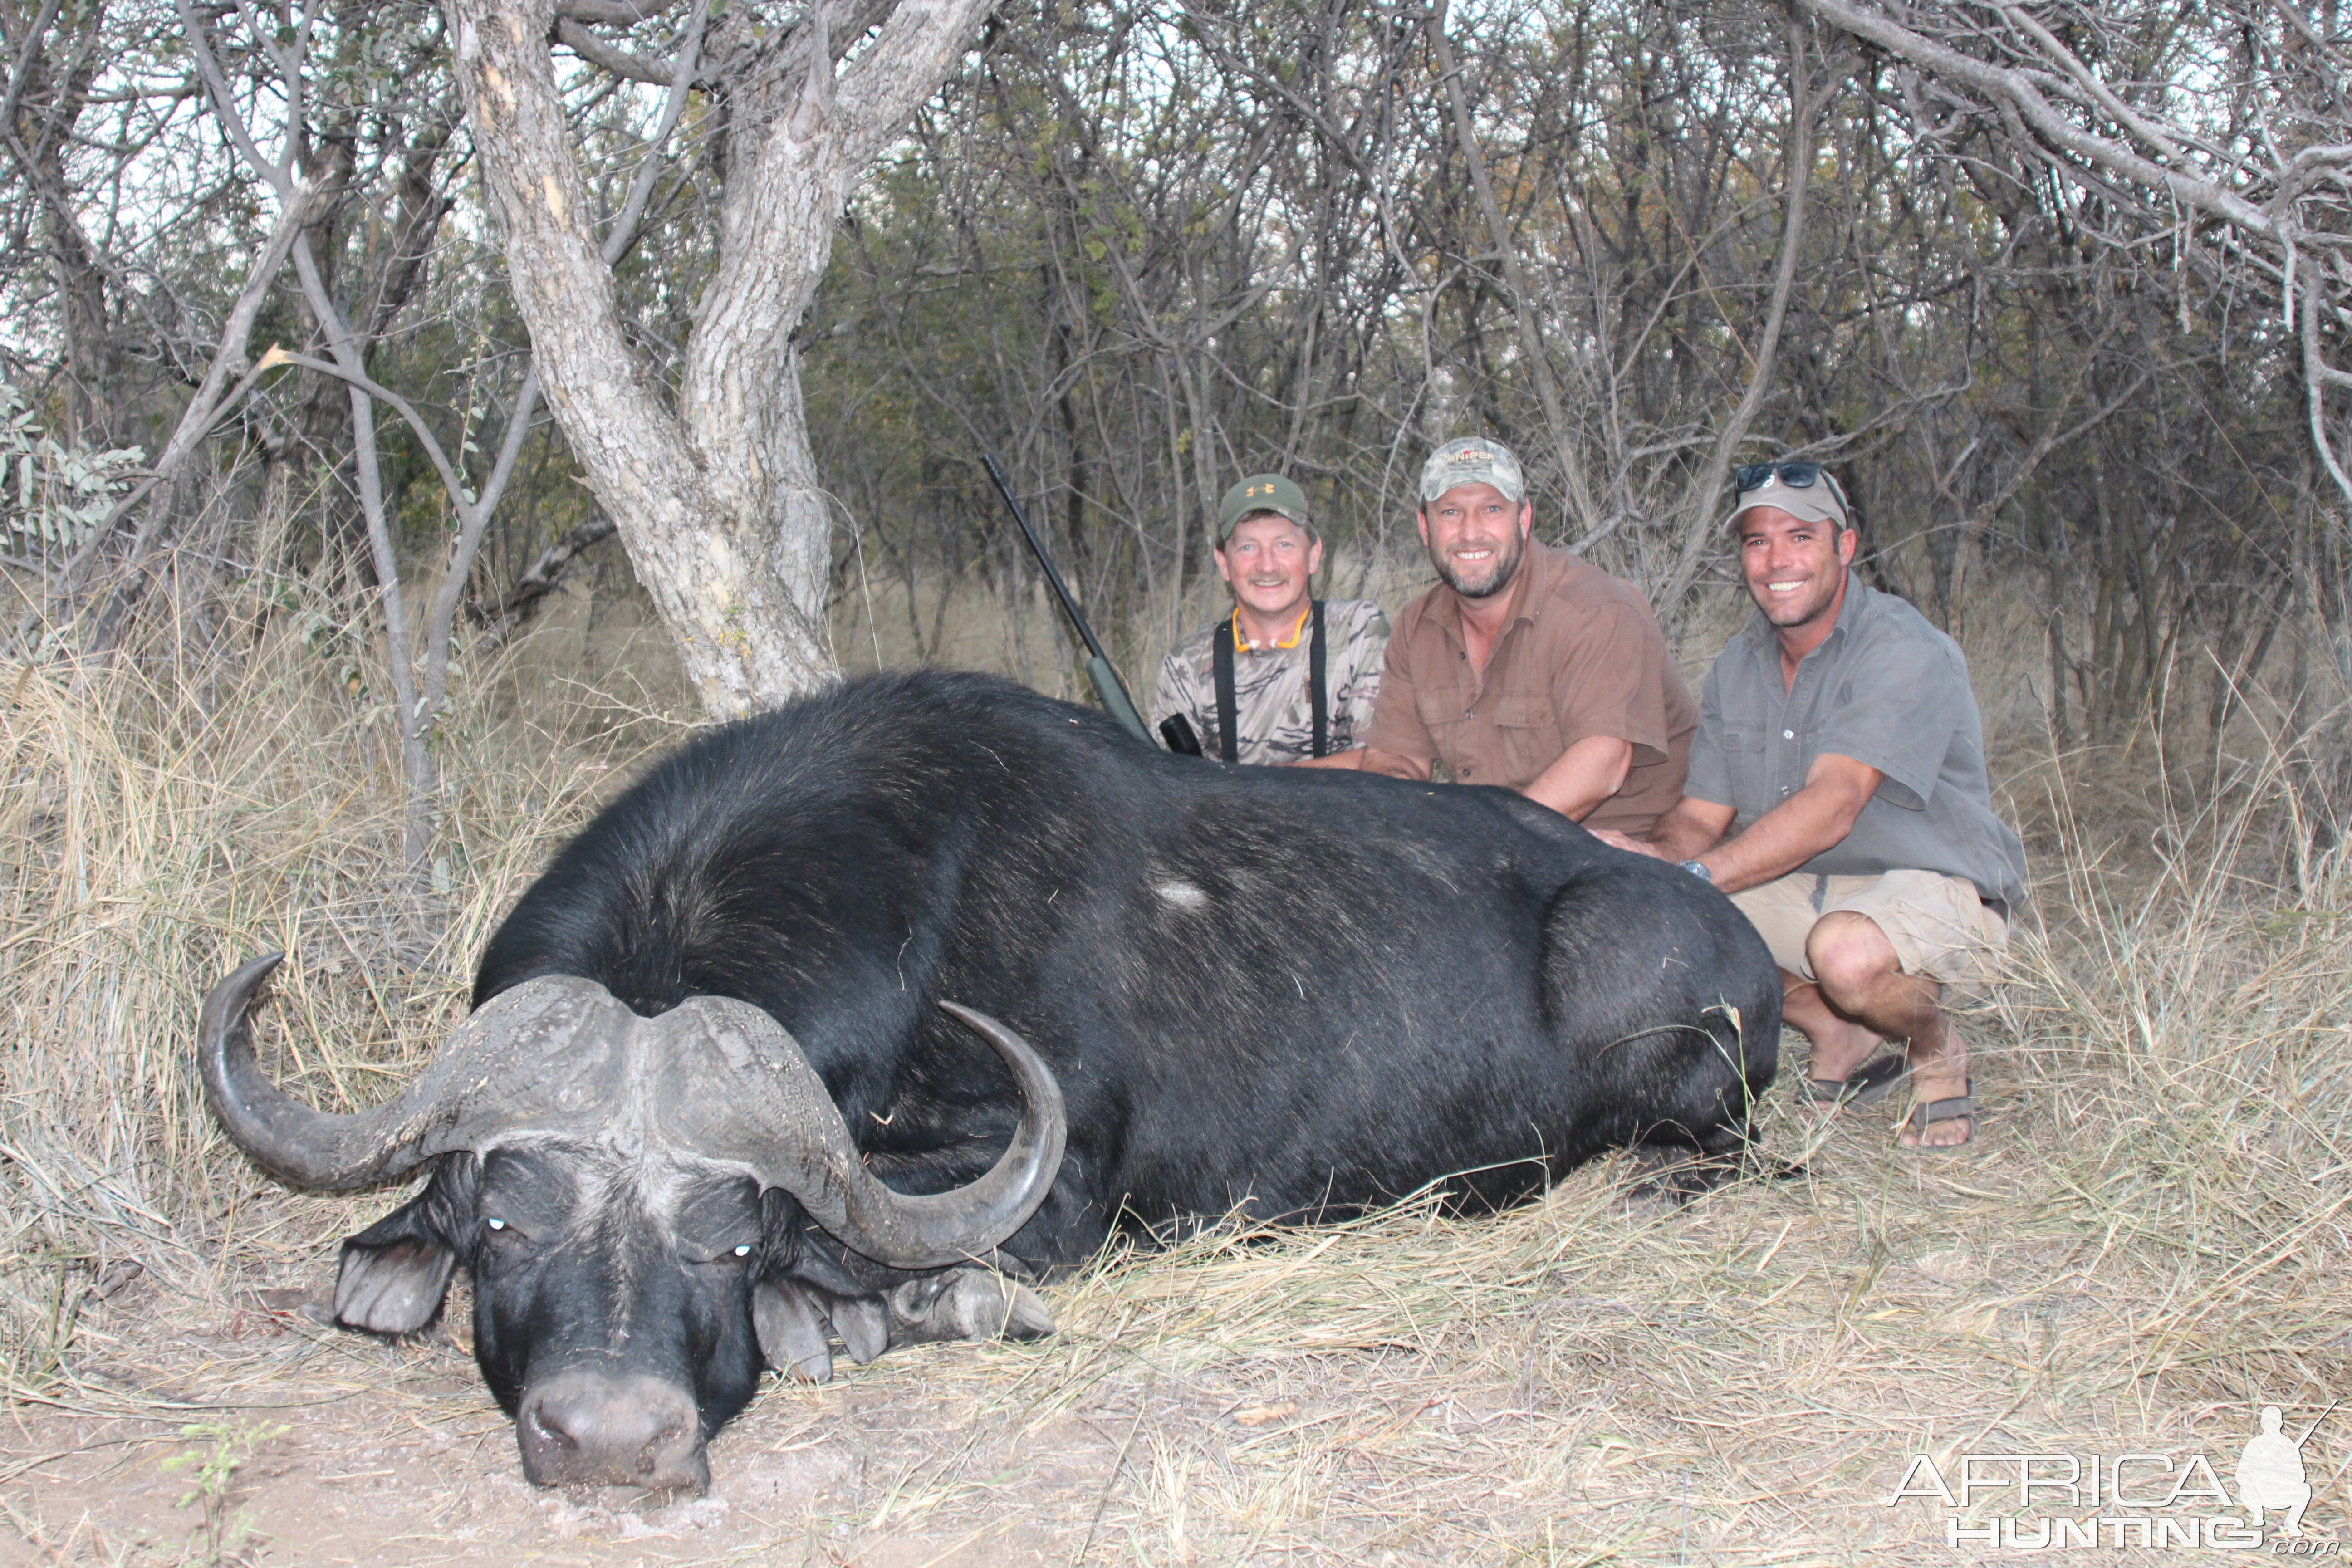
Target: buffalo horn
point(536, 1052)
point(761, 1104)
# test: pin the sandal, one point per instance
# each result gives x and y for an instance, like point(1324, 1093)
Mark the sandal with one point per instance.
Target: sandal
point(1959, 1107)
point(1869, 1082)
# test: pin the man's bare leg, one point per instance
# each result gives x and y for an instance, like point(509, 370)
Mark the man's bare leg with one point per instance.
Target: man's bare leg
point(1860, 979)
point(1839, 1044)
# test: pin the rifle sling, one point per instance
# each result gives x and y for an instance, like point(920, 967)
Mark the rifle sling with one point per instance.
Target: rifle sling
point(1228, 742)
point(1315, 692)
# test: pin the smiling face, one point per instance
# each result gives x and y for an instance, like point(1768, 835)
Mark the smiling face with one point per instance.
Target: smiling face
point(1795, 568)
point(1269, 559)
point(1476, 536)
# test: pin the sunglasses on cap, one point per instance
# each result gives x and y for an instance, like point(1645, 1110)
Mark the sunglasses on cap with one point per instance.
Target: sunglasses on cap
point(1796, 475)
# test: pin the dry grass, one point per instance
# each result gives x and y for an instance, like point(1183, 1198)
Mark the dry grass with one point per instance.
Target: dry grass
point(163, 819)
point(2151, 1236)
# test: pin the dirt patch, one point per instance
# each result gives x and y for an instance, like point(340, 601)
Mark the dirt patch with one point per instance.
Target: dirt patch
point(1570, 1384)
point(310, 1444)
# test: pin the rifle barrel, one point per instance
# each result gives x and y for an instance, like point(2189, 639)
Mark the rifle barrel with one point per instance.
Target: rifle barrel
point(1107, 683)
point(1037, 548)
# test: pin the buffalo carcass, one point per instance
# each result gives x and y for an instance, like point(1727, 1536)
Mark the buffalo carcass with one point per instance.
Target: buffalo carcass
point(709, 1112)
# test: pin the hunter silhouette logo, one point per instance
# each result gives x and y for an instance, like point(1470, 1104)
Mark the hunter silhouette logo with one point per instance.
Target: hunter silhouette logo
point(2270, 1472)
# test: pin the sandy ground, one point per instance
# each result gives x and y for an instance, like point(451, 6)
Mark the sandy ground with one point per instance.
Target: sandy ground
point(367, 1452)
point(1569, 1385)
point(359, 1452)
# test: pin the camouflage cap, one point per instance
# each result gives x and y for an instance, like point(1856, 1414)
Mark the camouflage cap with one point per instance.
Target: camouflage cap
point(1262, 492)
point(1473, 460)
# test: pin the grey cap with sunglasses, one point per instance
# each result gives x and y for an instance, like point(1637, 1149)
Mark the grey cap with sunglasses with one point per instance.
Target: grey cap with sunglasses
point(1806, 491)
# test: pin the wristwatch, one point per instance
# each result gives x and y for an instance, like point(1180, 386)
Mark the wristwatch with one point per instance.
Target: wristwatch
point(1698, 869)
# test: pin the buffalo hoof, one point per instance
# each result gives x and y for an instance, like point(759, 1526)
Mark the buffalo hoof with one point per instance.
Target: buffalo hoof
point(585, 1430)
point(1662, 1181)
point(966, 1304)
point(796, 1323)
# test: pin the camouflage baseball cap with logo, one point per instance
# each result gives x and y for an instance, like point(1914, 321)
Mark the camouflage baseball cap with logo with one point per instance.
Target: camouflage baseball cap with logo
point(1473, 460)
point(1262, 492)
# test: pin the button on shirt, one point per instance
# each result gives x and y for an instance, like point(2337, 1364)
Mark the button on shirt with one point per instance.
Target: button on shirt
point(1581, 655)
point(1886, 689)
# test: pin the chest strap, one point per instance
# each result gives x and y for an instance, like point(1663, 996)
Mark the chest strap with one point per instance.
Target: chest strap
point(1317, 697)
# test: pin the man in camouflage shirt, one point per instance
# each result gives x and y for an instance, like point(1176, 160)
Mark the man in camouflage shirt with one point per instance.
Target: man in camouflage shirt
point(1268, 551)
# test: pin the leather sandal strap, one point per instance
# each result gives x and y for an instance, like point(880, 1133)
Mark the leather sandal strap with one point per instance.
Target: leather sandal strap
point(1927, 1114)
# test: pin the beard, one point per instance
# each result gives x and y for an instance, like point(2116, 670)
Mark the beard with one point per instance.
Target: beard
point(1499, 573)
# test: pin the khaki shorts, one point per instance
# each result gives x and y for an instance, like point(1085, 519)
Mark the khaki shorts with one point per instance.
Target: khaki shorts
point(1938, 924)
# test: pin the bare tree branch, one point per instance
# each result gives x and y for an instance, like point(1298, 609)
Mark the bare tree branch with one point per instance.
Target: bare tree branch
point(576, 38)
point(542, 577)
point(718, 501)
point(1583, 514)
point(1702, 508)
point(2013, 88)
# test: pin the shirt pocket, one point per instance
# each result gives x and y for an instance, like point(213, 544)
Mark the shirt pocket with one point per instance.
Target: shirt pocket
point(1527, 732)
point(1746, 757)
point(1440, 710)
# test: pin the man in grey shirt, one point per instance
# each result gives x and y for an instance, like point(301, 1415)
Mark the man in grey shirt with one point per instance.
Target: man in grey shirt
point(1838, 792)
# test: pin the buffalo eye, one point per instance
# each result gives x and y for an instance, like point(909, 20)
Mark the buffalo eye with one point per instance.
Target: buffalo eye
point(495, 1224)
point(715, 1257)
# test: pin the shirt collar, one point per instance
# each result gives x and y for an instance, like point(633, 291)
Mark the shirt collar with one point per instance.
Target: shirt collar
point(1242, 645)
point(1765, 643)
point(1537, 568)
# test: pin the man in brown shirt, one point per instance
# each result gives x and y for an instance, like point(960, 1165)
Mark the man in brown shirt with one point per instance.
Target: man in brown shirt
point(1527, 667)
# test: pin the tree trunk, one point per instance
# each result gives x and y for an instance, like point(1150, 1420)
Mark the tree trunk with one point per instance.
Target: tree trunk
point(716, 499)
point(47, 92)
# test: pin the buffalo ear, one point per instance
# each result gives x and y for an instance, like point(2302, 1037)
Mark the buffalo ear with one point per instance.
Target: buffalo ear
point(864, 1324)
point(396, 1272)
point(804, 1296)
point(395, 1288)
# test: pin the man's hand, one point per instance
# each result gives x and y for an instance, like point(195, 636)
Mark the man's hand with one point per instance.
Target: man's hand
point(1353, 758)
point(1689, 831)
point(1815, 819)
point(1616, 840)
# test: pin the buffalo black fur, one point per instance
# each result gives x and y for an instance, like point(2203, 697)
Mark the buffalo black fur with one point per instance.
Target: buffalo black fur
point(1291, 992)
point(1294, 990)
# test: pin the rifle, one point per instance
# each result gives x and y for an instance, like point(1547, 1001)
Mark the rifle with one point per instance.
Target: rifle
point(1115, 700)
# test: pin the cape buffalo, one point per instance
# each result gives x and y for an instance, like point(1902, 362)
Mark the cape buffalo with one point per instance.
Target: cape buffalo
point(710, 1111)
